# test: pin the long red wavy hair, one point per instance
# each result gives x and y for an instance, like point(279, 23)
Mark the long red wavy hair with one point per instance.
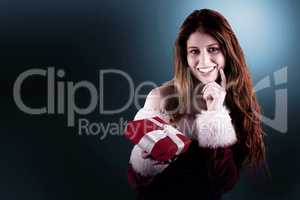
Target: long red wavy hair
point(240, 98)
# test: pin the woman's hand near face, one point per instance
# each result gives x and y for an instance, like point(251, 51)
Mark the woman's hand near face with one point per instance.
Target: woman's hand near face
point(214, 94)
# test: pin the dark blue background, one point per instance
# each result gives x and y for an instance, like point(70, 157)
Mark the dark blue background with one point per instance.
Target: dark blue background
point(41, 158)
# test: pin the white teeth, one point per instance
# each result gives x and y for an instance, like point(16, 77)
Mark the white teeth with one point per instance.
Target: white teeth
point(205, 70)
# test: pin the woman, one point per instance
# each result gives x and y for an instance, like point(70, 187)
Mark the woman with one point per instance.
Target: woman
point(210, 100)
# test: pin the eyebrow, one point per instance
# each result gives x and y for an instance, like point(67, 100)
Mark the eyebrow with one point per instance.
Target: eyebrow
point(191, 47)
point(213, 44)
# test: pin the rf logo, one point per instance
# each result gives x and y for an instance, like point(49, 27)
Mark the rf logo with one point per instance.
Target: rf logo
point(279, 122)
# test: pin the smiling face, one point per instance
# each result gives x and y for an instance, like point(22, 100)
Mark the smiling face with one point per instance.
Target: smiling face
point(204, 57)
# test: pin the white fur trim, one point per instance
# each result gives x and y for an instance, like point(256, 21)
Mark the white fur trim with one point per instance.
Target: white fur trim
point(214, 129)
point(145, 167)
point(153, 107)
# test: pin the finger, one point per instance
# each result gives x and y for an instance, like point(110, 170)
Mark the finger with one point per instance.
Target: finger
point(223, 78)
point(207, 85)
point(209, 90)
point(145, 154)
point(211, 85)
point(210, 94)
point(212, 88)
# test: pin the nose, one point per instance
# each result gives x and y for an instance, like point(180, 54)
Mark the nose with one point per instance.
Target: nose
point(205, 61)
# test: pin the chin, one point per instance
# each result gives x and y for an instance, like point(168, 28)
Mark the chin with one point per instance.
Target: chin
point(206, 80)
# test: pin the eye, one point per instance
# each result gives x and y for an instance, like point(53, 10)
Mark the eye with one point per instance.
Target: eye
point(213, 49)
point(194, 51)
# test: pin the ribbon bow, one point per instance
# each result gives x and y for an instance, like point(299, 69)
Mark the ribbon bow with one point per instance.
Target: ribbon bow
point(148, 141)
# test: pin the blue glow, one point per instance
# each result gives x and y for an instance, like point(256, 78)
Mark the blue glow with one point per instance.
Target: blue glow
point(265, 29)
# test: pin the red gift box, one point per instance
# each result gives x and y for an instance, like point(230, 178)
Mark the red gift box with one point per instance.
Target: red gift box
point(157, 137)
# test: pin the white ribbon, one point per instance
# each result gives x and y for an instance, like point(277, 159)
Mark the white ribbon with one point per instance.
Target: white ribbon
point(148, 141)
